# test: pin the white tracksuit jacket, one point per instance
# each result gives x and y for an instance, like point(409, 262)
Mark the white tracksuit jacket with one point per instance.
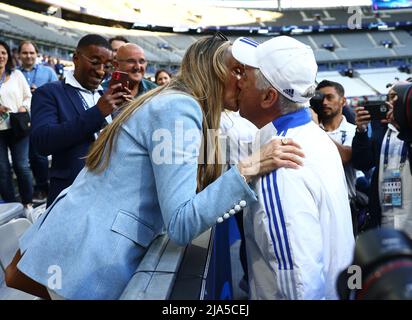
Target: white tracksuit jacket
point(299, 235)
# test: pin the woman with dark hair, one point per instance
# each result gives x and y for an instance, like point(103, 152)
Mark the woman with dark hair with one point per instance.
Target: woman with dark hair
point(15, 96)
point(162, 77)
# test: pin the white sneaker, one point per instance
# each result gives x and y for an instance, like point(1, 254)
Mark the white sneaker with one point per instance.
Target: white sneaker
point(38, 211)
point(28, 211)
point(34, 214)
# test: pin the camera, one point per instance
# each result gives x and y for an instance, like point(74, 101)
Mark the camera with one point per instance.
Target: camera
point(316, 102)
point(402, 111)
point(384, 258)
point(376, 106)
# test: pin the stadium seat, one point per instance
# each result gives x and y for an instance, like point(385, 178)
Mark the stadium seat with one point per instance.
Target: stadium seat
point(7, 293)
point(9, 239)
point(155, 275)
point(10, 211)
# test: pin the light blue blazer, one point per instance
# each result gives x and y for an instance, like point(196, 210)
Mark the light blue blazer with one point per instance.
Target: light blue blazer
point(94, 235)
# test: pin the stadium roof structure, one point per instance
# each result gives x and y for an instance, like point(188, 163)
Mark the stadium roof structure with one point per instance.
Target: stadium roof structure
point(284, 4)
point(194, 13)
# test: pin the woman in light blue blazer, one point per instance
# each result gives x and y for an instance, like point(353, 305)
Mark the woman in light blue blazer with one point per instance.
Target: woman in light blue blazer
point(148, 171)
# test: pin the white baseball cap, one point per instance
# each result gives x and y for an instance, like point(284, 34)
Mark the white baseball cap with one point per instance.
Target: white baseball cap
point(288, 64)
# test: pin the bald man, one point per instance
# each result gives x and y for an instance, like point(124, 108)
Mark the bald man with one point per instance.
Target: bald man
point(131, 59)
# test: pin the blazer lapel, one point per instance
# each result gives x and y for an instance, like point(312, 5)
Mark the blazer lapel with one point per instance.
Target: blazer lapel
point(74, 97)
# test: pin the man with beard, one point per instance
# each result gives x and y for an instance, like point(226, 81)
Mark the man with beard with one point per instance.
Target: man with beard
point(338, 128)
point(67, 115)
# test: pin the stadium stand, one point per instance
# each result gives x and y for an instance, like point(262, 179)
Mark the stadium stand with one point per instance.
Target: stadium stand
point(378, 79)
point(167, 49)
point(353, 86)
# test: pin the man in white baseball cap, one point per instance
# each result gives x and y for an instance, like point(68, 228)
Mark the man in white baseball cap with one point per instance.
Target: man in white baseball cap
point(289, 66)
point(299, 235)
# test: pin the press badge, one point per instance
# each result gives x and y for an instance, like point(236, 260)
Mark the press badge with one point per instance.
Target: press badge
point(392, 190)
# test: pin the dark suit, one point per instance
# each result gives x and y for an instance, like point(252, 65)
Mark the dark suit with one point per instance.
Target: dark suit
point(365, 155)
point(61, 127)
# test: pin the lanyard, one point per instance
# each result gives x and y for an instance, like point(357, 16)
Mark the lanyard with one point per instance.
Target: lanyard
point(343, 138)
point(84, 102)
point(3, 78)
point(26, 74)
point(404, 152)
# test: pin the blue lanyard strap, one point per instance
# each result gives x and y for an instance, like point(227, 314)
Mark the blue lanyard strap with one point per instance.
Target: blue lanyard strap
point(84, 102)
point(343, 138)
point(404, 152)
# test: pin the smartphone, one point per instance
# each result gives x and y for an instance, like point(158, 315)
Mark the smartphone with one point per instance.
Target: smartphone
point(119, 77)
point(377, 109)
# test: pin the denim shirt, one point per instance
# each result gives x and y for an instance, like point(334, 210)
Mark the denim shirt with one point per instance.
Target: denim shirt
point(39, 75)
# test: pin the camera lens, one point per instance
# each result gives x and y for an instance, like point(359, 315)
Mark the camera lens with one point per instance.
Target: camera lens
point(316, 102)
point(385, 258)
point(402, 111)
point(392, 281)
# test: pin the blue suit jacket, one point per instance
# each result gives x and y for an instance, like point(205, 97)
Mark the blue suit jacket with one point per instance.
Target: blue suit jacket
point(61, 127)
point(98, 229)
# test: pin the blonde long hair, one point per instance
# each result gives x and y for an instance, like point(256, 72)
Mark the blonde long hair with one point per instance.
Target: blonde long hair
point(202, 75)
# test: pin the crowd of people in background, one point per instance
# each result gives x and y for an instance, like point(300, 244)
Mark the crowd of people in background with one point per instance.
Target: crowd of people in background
point(15, 97)
point(33, 175)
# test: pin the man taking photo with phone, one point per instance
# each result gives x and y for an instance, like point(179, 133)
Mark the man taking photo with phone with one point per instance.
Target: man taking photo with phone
point(131, 59)
point(390, 201)
point(68, 115)
point(332, 120)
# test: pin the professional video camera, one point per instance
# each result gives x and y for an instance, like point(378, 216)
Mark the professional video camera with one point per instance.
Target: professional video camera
point(384, 258)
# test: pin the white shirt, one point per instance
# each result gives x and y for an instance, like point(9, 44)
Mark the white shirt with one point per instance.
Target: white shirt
point(90, 97)
point(344, 135)
point(299, 235)
point(237, 136)
point(14, 93)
